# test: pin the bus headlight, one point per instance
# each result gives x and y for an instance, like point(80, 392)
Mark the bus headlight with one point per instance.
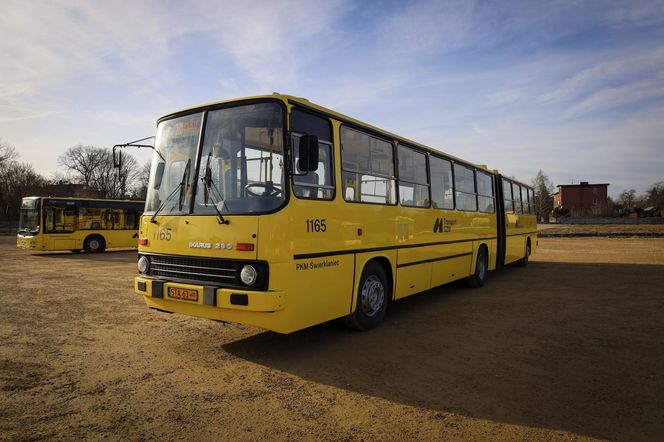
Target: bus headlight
point(248, 275)
point(143, 264)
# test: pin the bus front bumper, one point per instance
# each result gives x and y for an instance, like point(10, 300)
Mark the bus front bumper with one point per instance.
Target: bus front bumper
point(206, 301)
point(26, 242)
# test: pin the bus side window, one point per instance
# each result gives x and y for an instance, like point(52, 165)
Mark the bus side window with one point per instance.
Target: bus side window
point(507, 196)
point(442, 189)
point(464, 186)
point(367, 168)
point(518, 207)
point(413, 177)
point(484, 191)
point(50, 222)
point(320, 183)
point(130, 220)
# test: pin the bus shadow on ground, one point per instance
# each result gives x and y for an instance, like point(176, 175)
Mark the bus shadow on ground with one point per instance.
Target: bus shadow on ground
point(114, 255)
point(573, 347)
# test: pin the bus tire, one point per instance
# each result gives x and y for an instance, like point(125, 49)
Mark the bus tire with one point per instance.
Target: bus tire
point(373, 295)
point(524, 261)
point(94, 244)
point(478, 278)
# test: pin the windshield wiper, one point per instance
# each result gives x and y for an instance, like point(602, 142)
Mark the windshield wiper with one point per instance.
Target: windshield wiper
point(207, 191)
point(181, 187)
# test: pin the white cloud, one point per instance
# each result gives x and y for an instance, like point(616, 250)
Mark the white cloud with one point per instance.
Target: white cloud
point(622, 66)
point(611, 97)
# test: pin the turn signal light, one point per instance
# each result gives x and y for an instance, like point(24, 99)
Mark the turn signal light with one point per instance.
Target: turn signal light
point(245, 247)
point(142, 241)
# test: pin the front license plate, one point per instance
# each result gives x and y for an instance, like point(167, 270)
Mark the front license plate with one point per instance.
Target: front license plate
point(186, 294)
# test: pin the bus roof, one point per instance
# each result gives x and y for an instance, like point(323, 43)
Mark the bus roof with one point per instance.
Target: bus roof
point(337, 116)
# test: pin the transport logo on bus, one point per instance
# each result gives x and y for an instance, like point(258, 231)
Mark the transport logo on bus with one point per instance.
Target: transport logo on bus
point(443, 225)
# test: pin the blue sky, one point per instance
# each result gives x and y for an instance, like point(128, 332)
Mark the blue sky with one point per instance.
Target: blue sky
point(575, 88)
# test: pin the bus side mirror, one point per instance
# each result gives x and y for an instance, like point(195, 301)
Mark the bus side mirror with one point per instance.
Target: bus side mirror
point(308, 161)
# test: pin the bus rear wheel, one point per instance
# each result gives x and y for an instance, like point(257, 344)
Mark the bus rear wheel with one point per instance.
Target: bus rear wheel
point(94, 244)
point(373, 295)
point(478, 278)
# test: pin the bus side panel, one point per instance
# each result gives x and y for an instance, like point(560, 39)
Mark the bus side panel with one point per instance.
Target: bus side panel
point(446, 266)
point(318, 289)
point(449, 270)
point(413, 279)
point(514, 242)
point(114, 238)
point(64, 243)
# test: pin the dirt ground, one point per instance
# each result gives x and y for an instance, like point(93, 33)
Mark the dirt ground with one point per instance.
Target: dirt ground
point(570, 347)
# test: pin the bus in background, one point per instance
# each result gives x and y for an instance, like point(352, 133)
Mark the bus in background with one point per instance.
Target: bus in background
point(93, 225)
point(276, 212)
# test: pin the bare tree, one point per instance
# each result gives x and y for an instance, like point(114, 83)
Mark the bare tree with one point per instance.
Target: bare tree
point(113, 182)
point(627, 198)
point(140, 191)
point(18, 180)
point(655, 195)
point(543, 195)
point(93, 166)
point(7, 153)
point(83, 161)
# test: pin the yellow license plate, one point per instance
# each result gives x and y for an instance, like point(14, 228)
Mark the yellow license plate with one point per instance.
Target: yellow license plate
point(180, 293)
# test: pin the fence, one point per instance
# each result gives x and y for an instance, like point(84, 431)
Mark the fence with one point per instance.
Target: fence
point(8, 227)
point(607, 220)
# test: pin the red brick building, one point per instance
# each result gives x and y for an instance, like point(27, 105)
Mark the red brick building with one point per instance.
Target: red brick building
point(582, 199)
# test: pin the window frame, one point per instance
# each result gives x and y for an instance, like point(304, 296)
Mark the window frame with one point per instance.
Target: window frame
point(292, 159)
point(520, 200)
point(394, 178)
point(332, 187)
point(451, 163)
point(511, 198)
point(471, 168)
point(398, 174)
point(493, 190)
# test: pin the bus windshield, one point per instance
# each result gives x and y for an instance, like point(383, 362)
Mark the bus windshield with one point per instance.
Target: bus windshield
point(29, 219)
point(240, 169)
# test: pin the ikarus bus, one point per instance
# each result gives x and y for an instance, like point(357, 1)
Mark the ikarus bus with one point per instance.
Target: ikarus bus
point(280, 213)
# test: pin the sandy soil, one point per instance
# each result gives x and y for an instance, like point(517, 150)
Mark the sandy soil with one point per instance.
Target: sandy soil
point(568, 348)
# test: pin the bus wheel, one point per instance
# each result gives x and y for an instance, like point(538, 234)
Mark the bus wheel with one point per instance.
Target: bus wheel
point(478, 278)
point(372, 297)
point(524, 261)
point(94, 244)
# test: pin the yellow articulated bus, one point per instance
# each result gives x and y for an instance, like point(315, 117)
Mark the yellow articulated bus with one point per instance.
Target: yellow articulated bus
point(93, 225)
point(279, 213)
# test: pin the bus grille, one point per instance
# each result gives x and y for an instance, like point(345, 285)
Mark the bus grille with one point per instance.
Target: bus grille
point(216, 271)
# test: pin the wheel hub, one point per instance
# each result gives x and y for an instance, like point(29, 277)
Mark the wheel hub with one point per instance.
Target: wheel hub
point(372, 296)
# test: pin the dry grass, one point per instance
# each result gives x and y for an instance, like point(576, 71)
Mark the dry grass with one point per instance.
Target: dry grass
point(619, 230)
